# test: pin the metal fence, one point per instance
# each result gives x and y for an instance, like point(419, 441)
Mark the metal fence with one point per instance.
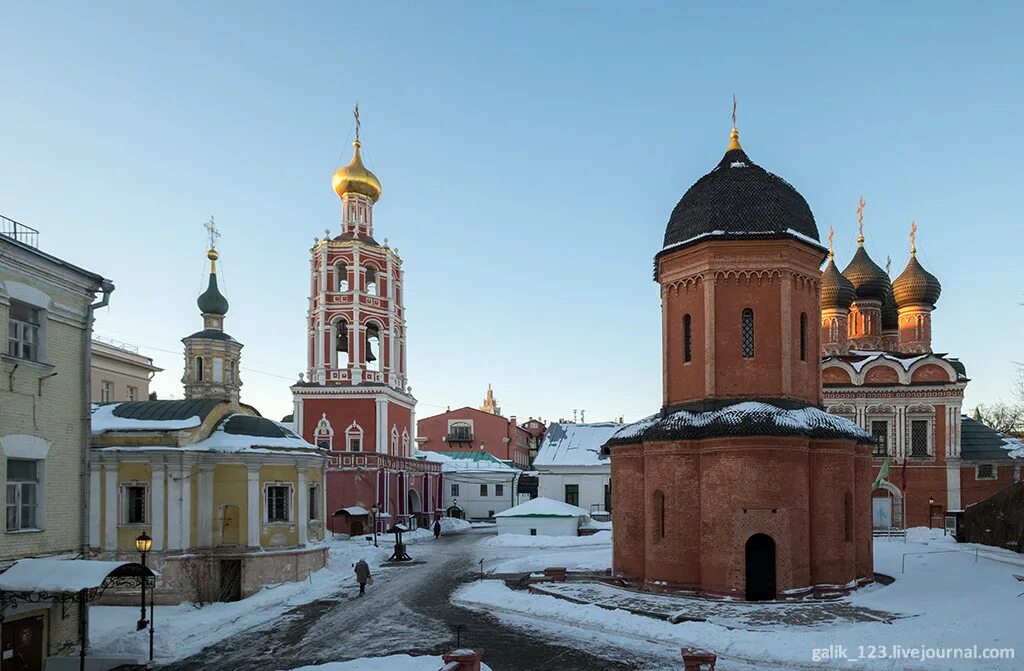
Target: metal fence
point(18, 231)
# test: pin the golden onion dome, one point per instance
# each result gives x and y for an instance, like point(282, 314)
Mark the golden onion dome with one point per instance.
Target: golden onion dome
point(356, 178)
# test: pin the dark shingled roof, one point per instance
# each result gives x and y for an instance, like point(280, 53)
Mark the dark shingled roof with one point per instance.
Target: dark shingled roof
point(362, 238)
point(212, 334)
point(867, 278)
point(836, 290)
point(980, 442)
point(890, 315)
point(212, 301)
point(740, 198)
point(245, 425)
point(742, 419)
point(167, 410)
point(916, 285)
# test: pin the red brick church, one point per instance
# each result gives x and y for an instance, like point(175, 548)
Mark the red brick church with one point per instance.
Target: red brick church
point(740, 485)
point(355, 398)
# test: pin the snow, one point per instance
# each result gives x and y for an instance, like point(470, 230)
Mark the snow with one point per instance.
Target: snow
point(870, 356)
point(222, 441)
point(601, 538)
point(389, 663)
point(356, 510)
point(574, 444)
point(754, 234)
point(543, 507)
point(1014, 446)
point(57, 575)
point(950, 596)
point(104, 419)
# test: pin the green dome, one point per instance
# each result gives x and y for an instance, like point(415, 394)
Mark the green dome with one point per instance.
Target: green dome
point(212, 301)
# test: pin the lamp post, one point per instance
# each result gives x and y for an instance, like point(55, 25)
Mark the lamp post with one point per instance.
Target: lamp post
point(931, 502)
point(455, 503)
point(143, 544)
point(373, 511)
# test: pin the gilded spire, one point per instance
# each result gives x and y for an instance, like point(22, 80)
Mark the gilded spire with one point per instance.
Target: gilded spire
point(355, 177)
point(913, 238)
point(831, 250)
point(734, 136)
point(860, 222)
point(211, 229)
point(212, 301)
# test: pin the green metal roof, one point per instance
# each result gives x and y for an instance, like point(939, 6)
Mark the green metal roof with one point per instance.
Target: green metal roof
point(468, 455)
point(166, 410)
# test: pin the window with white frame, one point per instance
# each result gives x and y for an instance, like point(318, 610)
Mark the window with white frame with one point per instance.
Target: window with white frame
point(985, 472)
point(323, 435)
point(880, 432)
point(460, 431)
point(218, 369)
point(499, 490)
point(354, 438)
point(455, 489)
point(314, 502)
point(483, 490)
point(405, 442)
point(106, 391)
point(279, 503)
point(133, 393)
point(134, 503)
point(24, 339)
point(919, 429)
point(22, 494)
point(394, 440)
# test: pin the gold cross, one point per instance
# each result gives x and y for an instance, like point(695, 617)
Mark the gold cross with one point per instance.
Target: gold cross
point(357, 122)
point(211, 229)
point(913, 237)
point(860, 216)
point(734, 110)
point(831, 234)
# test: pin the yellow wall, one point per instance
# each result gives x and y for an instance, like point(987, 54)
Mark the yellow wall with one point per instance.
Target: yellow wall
point(315, 530)
point(279, 535)
point(126, 535)
point(230, 487)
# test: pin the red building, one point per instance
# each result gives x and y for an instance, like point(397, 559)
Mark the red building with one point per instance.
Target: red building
point(470, 429)
point(879, 371)
point(740, 485)
point(355, 398)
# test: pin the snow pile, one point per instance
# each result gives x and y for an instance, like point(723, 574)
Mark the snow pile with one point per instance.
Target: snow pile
point(389, 663)
point(1015, 447)
point(543, 507)
point(601, 538)
point(574, 444)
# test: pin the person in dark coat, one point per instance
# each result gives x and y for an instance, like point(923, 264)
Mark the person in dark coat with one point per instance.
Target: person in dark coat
point(437, 529)
point(362, 575)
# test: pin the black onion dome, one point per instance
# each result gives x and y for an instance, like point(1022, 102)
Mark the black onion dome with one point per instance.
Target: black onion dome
point(212, 301)
point(916, 285)
point(743, 199)
point(869, 281)
point(890, 315)
point(836, 290)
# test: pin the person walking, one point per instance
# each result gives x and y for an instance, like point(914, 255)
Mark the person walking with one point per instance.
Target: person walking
point(437, 529)
point(363, 576)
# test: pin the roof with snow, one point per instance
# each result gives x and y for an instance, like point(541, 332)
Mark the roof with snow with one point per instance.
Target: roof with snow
point(747, 418)
point(152, 415)
point(66, 575)
point(575, 444)
point(979, 442)
point(857, 359)
point(466, 460)
point(543, 507)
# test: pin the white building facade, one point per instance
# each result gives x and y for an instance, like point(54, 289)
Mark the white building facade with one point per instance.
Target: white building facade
point(569, 467)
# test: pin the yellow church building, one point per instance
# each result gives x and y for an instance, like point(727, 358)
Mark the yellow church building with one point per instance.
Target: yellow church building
point(232, 500)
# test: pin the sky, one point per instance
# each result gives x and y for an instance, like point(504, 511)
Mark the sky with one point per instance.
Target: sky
point(530, 154)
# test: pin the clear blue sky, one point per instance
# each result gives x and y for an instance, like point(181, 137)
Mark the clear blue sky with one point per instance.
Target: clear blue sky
point(530, 155)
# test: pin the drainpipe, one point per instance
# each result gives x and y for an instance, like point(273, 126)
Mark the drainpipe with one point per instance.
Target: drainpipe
point(106, 287)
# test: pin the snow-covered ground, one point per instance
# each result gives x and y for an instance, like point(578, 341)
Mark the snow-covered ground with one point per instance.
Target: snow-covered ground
point(389, 663)
point(184, 630)
point(951, 596)
point(513, 553)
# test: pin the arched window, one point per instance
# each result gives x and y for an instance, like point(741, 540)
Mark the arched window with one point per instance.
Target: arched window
point(848, 508)
point(323, 435)
point(687, 339)
point(354, 438)
point(230, 368)
point(405, 443)
point(659, 516)
point(394, 440)
point(341, 276)
point(371, 281)
point(803, 336)
point(747, 333)
point(373, 349)
point(833, 330)
point(199, 368)
point(341, 357)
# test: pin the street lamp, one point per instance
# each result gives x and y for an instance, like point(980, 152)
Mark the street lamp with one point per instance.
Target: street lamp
point(931, 502)
point(143, 544)
point(373, 511)
point(455, 505)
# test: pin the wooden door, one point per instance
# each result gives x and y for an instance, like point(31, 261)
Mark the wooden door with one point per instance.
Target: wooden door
point(23, 645)
point(229, 526)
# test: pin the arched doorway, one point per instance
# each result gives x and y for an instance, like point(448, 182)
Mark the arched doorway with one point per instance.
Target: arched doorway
point(355, 528)
point(887, 507)
point(456, 512)
point(415, 508)
point(760, 554)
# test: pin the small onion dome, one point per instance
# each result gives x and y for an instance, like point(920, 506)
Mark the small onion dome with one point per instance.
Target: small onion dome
point(356, 178)
point(836, 290)
point(740, 199)
point(869, 281)
point(212, 301)
point(915, 285)
point(890, 315)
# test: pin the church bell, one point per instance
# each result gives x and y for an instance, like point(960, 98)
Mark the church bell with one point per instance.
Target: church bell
point(343, 340)
point(369, 350)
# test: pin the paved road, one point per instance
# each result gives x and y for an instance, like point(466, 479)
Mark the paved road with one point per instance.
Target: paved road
point(406, 610)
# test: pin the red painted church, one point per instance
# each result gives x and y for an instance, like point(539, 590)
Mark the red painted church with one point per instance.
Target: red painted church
point(355, 399)
point(741, 485)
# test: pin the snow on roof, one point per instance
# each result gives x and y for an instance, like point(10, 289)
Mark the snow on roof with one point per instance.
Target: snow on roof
point(104, 419)
point(543, 507)
point(238, 432)
point(870, 356)
point(472, 461)
point(354, 510)
point(574, 444)
point(63, 575)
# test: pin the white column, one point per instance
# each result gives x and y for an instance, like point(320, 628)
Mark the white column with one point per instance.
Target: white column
point(110, 507)
point(953, 485)
point(253, 513)
point(157, 505)
point(174, 485)
point(94, 506)
point(186, 506)
point(303, 505)
point(382, 425)
point(355, 345)
point(204, 516)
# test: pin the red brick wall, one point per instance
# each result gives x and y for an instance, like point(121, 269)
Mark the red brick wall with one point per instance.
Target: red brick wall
point(488, 430)
point(881, 374)
point(628, 513)
point(835, 375)
point(930, 373)
point(973, 490)
point(341, 413)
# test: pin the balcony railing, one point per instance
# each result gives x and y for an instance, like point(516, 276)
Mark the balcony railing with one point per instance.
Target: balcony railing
point(460, 437)
point(18, 231)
